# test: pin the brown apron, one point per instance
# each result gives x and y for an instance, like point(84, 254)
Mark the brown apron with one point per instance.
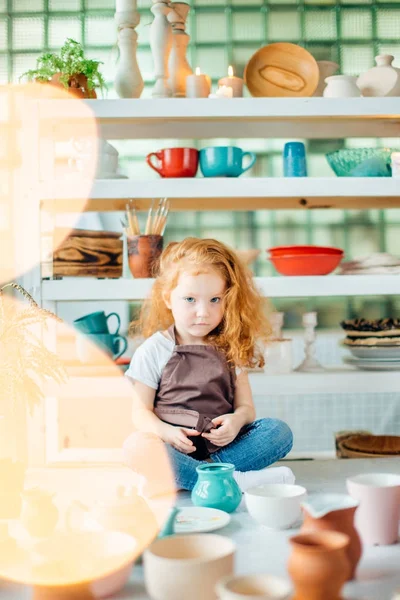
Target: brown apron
point(196, 386)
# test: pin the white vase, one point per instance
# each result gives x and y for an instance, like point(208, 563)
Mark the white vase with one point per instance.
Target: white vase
point(341, 86)
point(382, 80)
point(326, 69)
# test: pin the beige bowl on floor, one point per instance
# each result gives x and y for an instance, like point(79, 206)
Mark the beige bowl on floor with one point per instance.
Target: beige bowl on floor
point(254, 587)
point(276, 505)
point(187, 567)
point(248, 256)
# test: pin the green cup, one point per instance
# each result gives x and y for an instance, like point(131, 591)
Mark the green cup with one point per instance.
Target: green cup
point(88, 346)
point(96, 322)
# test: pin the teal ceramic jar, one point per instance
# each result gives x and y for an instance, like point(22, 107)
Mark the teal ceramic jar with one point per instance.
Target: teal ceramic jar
point(216, 487)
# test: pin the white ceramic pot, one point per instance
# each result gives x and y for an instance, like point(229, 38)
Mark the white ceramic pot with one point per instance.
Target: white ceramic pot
point(253, 587)
point(382, 80)
point(341, 86)
point(183, 567)
point(276, 505)
point(326, 69)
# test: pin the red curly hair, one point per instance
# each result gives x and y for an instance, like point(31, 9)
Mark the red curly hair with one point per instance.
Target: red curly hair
point(244, 322)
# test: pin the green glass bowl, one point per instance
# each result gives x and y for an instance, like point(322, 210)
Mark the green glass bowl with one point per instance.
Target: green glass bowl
point(361, 162)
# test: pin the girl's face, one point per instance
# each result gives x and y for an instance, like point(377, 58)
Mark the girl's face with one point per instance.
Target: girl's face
point(197, 304)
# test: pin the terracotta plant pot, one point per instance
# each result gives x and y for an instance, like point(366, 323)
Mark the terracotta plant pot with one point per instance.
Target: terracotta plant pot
point(143, 254)
point(319, 565)
point(77, 86)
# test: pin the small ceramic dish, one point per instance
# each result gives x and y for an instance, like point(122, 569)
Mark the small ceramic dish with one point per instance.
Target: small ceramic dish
point(282, 69)
point(253, 587)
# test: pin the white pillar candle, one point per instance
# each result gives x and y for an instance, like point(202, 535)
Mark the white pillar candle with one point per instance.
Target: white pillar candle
point(124, 5)
point(198, 85)
point(236, 83)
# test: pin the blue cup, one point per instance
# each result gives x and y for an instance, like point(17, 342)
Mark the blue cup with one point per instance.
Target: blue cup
point(294, 160)
point(224, 161)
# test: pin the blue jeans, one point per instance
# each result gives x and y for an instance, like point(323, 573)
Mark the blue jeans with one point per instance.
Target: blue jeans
point(258, 445)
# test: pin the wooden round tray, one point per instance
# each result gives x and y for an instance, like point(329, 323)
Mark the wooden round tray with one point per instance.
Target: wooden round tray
point(282, 69)
point(370, 446)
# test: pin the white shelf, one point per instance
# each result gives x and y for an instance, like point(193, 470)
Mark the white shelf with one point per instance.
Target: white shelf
point(82, 288)
point(334, 380)
point(224, 193)
point(232, 118)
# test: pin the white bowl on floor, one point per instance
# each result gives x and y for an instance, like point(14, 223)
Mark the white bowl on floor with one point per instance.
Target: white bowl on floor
point(276, 505)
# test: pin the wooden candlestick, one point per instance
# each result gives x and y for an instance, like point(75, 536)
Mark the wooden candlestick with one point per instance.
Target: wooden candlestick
point(161, 44)
point(179, 67)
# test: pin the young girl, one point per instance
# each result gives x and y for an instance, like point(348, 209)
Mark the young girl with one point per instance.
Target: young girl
point(191, 388)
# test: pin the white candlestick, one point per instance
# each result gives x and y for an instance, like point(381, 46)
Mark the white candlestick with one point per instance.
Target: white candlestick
point(310, 364)
point(236, 83)
point(198, 85)
point(125, 5)
point(161, 44)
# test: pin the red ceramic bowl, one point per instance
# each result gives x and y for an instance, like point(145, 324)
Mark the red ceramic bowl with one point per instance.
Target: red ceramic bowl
point(297, 250)
point(307, 264)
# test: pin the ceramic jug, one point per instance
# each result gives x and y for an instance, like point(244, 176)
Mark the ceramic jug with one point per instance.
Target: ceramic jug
point(216, 487)
point(318, 565)
point(341, 86)
point(326, 69)
point(382, 80)
point(39, 514)
point(334, 512)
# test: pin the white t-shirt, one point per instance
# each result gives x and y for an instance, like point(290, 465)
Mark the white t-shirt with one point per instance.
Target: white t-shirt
point(149, 360)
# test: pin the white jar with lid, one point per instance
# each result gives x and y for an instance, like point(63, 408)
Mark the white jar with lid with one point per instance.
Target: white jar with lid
point(395, 156)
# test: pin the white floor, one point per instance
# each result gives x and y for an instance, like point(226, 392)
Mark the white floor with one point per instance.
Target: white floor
point(262, 551)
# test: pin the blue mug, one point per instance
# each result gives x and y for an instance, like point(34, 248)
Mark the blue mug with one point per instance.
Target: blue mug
point(294, 160)
point(224, 161)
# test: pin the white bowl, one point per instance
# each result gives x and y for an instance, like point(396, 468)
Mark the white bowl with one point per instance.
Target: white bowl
point(254, 587)
point(187, 567)
point(276, 505)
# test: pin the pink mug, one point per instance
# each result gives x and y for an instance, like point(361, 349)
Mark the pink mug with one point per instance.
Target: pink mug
point(377, 517)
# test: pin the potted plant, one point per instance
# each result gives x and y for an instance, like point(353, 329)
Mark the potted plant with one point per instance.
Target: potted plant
point(25, 364)
point(70, 70)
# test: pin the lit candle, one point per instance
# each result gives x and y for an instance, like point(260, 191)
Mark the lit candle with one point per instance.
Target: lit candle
point(222, 92)
point(236, 83)
point(198, 85)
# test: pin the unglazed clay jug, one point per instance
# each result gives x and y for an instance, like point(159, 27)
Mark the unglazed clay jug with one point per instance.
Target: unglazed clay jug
point(318, 565)
point(326, 69)
point(341, 86)
point(334, 512)
point(382, 80)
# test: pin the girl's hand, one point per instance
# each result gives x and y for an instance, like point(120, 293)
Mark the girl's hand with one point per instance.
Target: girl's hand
point(228, 426)
point(178, 438)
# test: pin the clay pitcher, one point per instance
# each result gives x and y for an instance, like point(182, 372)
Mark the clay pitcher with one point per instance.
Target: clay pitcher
point(318, 565)
point(334, 512)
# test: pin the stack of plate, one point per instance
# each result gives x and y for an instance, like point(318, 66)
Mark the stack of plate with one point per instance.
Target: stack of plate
point(374, 344)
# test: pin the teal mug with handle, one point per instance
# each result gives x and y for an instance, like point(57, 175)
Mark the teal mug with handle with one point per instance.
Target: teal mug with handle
point(224, 161)
point(97, 322)
point(88, 346)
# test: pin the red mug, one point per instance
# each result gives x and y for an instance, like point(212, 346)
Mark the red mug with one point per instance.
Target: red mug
point(175, 162)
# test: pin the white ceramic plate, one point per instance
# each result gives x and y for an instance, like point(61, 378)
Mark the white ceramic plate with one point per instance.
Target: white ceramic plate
point(370, 365)
point(196, 519)
point(376, 353)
